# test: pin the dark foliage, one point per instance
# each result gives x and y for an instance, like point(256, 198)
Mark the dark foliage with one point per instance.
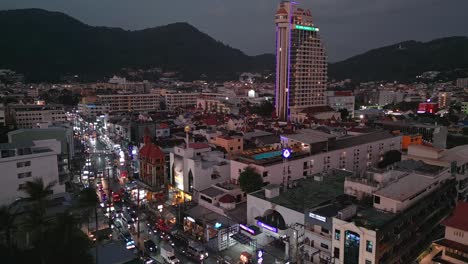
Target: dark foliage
point(250, 180)
point(50, 45)
point(389, 158)
point(404, 61)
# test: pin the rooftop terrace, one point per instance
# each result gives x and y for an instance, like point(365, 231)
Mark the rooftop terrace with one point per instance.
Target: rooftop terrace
point(310, 193)
point(372, 218)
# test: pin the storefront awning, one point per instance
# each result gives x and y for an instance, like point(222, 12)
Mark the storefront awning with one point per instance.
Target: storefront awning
point(241, 238)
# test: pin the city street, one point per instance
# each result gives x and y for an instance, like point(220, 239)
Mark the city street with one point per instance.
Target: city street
point(101, 159)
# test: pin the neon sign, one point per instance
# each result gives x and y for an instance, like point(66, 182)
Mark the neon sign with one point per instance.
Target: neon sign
point(317, 217)
point(267, 227)
point(307, 28)
point(248, 229)
point(286, 153)
point(260, 256)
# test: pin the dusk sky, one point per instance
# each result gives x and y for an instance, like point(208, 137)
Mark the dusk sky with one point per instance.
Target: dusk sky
point(348, 27)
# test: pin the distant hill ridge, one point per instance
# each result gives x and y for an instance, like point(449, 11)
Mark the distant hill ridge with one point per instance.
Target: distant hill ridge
point(46, 45)
point(403, 61)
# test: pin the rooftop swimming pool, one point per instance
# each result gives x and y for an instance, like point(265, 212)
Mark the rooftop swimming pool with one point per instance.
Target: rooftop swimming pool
point(267, 155)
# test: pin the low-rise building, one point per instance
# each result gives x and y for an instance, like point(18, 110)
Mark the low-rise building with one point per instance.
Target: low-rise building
point(92, 110)
point(431, 133)
point(22, 162)
point(130, 102)
point(162, 130)
point(232, 144)
point(454, 158)
point(315, 152)
point(454, 245)
point(213, 105)
point(290, 213)
point(400, 220)
point(28, 116)
point(197, 167)
point(341, 100)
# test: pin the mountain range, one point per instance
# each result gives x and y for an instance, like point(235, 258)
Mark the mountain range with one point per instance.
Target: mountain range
point(45, 46)
point(404, 61)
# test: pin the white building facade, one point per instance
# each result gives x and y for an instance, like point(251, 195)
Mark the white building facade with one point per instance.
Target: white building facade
point(20, 164)
point(28, 116)
point(361, 154)
point(196, 168)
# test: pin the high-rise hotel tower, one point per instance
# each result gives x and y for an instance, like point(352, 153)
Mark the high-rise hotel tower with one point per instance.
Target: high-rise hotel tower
point(301, 64)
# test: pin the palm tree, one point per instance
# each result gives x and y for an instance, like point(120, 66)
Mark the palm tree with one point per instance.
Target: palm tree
point(38, 194)
point(89, 199)
point(65, 242)
point(7, 225)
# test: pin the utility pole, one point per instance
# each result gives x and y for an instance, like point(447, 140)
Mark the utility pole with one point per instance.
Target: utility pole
point(138, 215)
point(109, 197)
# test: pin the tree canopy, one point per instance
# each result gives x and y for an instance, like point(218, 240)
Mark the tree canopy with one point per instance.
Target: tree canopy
point(250, 180)
point(389, 158)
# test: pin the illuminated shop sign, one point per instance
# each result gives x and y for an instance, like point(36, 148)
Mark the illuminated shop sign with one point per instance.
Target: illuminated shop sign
point(267, 227)
point(286, 153)
point(318, 217)
point(248, 229)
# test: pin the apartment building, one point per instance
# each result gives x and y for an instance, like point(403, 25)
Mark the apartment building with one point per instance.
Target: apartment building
point(455, 158)
point(431, 133)
point(405, 206)
point(21, 162)
point(213, 105)
point(28, 116)
point(232, 144)
point(341, 100)
point(61, 133)
point(176, 100)
point(444, 99)
point(314, 152)
point(130, 102)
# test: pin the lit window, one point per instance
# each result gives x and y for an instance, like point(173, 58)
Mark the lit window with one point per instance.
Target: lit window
point(337, 234)
point(369, 246)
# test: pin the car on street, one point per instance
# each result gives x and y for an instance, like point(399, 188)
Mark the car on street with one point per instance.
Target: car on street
point(127, 238)
point(150, 246)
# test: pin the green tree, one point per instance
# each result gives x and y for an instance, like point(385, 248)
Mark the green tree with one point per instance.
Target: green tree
point(89, 201)
point(389, 158)
point(65, 242)
point(344, 113)
point(465, 131)
point(8, 226)
point(38, 194)
point(250, 180)
point(264, 109)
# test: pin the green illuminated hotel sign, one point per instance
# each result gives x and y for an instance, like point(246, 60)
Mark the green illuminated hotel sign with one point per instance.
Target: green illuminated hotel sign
point(306, 28)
